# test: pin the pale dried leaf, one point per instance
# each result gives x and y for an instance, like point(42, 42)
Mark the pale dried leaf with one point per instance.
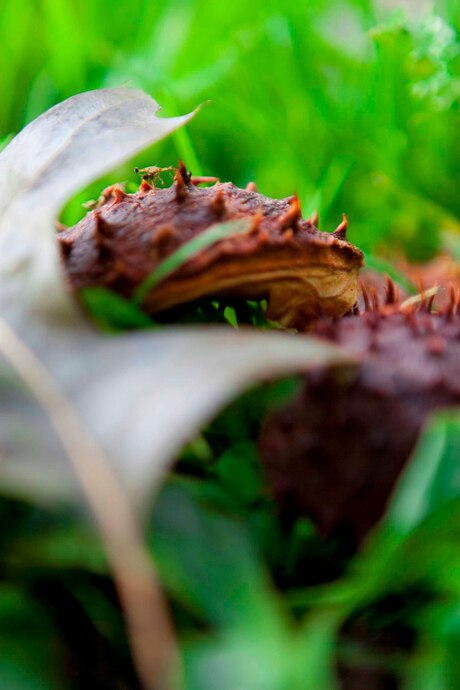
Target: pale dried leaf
point(57, 154)
point(141, 396)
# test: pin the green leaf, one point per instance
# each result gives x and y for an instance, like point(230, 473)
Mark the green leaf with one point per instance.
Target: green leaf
point(274, 657)
point(433, 476)
point(112, 312)
point(418, 541)
point(240, 472)
point(240, 659)
point(435, 663)
point(5, 140)
point(208, 561)
point(29, 648)
point(315, 650)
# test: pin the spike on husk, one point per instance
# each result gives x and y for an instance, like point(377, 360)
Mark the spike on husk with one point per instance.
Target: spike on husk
point(314, 219)
point(145, 186)
point(291, 217)
point(341, 230)
point(218, 202)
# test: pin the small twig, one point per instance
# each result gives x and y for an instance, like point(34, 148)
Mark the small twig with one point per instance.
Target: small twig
point(148, 623)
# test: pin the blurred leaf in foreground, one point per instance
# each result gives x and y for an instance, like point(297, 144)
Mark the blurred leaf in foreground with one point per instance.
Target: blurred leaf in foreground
point(135, 398)
point(141, 396)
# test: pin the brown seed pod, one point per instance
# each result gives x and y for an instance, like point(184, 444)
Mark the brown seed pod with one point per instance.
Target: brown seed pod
point(300, 271)
point(335, 452)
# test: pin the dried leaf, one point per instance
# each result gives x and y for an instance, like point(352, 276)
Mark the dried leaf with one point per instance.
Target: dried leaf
point(61, 150)
point(122, 405)
point(140, 396)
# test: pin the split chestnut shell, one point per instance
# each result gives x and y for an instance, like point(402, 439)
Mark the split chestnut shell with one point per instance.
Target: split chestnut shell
point(334, 453)
point(301, 272)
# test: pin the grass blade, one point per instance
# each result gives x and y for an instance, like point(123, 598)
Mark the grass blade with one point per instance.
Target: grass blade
point(205, 239)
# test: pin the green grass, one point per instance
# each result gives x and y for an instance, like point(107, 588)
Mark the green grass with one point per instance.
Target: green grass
point(355, 110)
point(358, 111)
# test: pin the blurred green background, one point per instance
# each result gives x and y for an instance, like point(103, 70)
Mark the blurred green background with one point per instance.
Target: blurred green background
point(353, 106)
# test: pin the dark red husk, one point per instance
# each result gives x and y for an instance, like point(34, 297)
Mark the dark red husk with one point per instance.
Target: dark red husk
point(335, 452)
point(282, 258)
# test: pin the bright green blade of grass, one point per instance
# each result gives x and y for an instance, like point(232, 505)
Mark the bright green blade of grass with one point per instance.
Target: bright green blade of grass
point(432, 478)
point(188, 250)
point(113, 312)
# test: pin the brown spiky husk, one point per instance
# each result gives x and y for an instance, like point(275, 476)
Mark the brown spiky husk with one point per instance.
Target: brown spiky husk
point(335, 452)
point(300, 271)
